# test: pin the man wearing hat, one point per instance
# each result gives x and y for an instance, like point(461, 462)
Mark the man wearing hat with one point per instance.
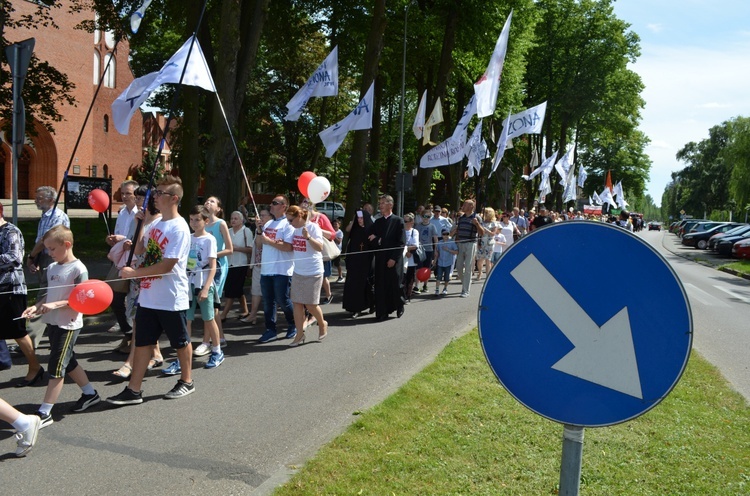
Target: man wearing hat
point(540, 220)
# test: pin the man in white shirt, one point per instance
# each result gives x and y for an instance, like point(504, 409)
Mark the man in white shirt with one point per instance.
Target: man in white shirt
point(123, 225)
point(276, 268)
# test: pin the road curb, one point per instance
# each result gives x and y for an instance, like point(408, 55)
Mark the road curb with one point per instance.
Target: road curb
point(702, 262)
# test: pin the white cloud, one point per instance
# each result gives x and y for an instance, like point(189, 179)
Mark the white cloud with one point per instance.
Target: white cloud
point(655, 28)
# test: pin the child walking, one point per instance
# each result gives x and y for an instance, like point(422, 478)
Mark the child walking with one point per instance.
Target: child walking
point(63, 323)
point(201, 269)
point(446, 256)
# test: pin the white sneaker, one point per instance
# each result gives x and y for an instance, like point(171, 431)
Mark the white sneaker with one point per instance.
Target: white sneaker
point(114, 328)
point(25, 440)
point(202, 350)
point(437, 292)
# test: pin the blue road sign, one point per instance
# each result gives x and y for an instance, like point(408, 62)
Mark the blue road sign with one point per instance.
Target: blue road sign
point(585, 324)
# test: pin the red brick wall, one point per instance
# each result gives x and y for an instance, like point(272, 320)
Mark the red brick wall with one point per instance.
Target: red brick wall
point(71, 51)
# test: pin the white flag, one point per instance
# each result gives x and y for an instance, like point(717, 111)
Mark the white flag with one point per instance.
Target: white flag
point(581, 176)
point(564, 164)
point(544, 186)
point(137, 16)
point(436, 117)
point(418, 126)
point(527, 122)
point(545, 167)
point(451, 150)
point(486, 88)
point(475, 139)
point(323, 82)
point(606, 197)
point(138, 91)
point(359, 118)
point(501, 144)
point(620, 196)
point(597, 200)
point(463, 123)
point(590, 201)
point(570, 193)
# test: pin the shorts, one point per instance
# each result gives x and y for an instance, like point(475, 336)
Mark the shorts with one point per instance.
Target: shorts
point(443, 273)
point(206, 306)
point(151, 323)
point(496, 257)
point(62, 358)
point(12, 306)
point(327, 269)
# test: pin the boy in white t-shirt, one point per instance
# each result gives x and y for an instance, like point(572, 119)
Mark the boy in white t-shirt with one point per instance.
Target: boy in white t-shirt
point(164, 297)
point(63, 323)
point(201, 269)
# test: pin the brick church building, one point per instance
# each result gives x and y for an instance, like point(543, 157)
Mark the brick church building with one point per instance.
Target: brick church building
point(102, 152)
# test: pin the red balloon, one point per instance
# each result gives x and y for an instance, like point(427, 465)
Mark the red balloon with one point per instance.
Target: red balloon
point(423, 274)
point(304, 181)
point(99, 200)
point(90, 297)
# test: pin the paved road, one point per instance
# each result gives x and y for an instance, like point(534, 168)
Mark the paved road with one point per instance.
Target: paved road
point(720, 305)
point(267, 409)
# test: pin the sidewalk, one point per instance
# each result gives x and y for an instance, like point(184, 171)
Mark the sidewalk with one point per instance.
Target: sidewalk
point(27, 210)
point(703, 257)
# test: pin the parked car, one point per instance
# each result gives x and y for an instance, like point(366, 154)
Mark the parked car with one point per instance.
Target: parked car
point(741, 249)
point(725, 244)
point(332, 210)
point(654, 226)
point(737, 231)
point(700, 239)
point(685, 228)
point(705, 226)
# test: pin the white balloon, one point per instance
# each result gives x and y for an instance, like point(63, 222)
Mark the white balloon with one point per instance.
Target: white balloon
point(318, 189)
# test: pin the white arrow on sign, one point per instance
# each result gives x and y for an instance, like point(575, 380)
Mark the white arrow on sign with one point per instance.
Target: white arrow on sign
point(603, 355)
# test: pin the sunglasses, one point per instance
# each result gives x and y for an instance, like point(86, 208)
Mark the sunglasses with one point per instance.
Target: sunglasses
point(276, 203)
point(159, 192)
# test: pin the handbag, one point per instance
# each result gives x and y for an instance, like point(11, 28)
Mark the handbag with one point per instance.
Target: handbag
point(113, 279)
point(330, 250)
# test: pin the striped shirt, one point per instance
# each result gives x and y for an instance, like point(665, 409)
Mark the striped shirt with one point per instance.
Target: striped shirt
point(11, 259)
point(50, 219)
point(466, 230)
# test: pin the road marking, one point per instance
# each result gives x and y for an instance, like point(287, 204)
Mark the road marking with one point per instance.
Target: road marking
point(703, 297)
point(603, 355)
point(733, 294)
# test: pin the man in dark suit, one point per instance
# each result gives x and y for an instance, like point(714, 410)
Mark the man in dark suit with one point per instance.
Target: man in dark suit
point(387, 238)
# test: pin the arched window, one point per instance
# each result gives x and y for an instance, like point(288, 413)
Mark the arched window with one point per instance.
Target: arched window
point(111, 70)
point(97, 32)
point(106, 123)
point(97, 67)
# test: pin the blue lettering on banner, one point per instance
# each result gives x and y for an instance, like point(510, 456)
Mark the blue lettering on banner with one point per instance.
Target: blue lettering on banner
point(362, 106)
point(524, 122)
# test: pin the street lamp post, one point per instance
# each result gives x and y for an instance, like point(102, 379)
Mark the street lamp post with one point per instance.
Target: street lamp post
point(400, 179)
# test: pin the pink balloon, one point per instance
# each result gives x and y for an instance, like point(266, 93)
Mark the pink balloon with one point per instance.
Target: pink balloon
point(423, 274)
point(90, 297)
point(99, 200)
point(304, 181)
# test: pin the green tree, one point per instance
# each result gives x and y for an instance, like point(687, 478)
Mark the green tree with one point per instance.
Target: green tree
point(736, 154)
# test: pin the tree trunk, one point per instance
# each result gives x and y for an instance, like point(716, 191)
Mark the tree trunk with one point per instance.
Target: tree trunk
point(242, 24)
point(358, 161)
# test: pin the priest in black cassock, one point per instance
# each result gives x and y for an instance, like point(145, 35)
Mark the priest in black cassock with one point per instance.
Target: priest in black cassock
point(387, 239)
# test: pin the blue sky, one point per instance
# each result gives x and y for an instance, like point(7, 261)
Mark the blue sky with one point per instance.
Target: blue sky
point(695, 63)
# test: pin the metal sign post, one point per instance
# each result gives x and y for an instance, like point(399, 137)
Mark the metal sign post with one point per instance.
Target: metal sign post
point(19, 56)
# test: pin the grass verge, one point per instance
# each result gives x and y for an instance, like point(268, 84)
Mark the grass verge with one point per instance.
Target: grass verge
point(452, 429)
point(89, 234)
point(741, 266)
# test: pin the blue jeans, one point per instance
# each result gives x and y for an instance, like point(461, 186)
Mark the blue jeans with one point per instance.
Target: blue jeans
point(275, 290)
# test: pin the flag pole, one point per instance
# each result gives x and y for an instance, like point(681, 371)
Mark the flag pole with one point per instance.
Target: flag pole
point(165, 131)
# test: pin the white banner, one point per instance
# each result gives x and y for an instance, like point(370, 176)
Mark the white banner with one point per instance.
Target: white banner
point(448, 152)
point(323, 82)
point(138, 91)
point(436, 117)
point(502, 143)
point(359, 118)
point(527, 122)
point(486, 88)
point(545, 167)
